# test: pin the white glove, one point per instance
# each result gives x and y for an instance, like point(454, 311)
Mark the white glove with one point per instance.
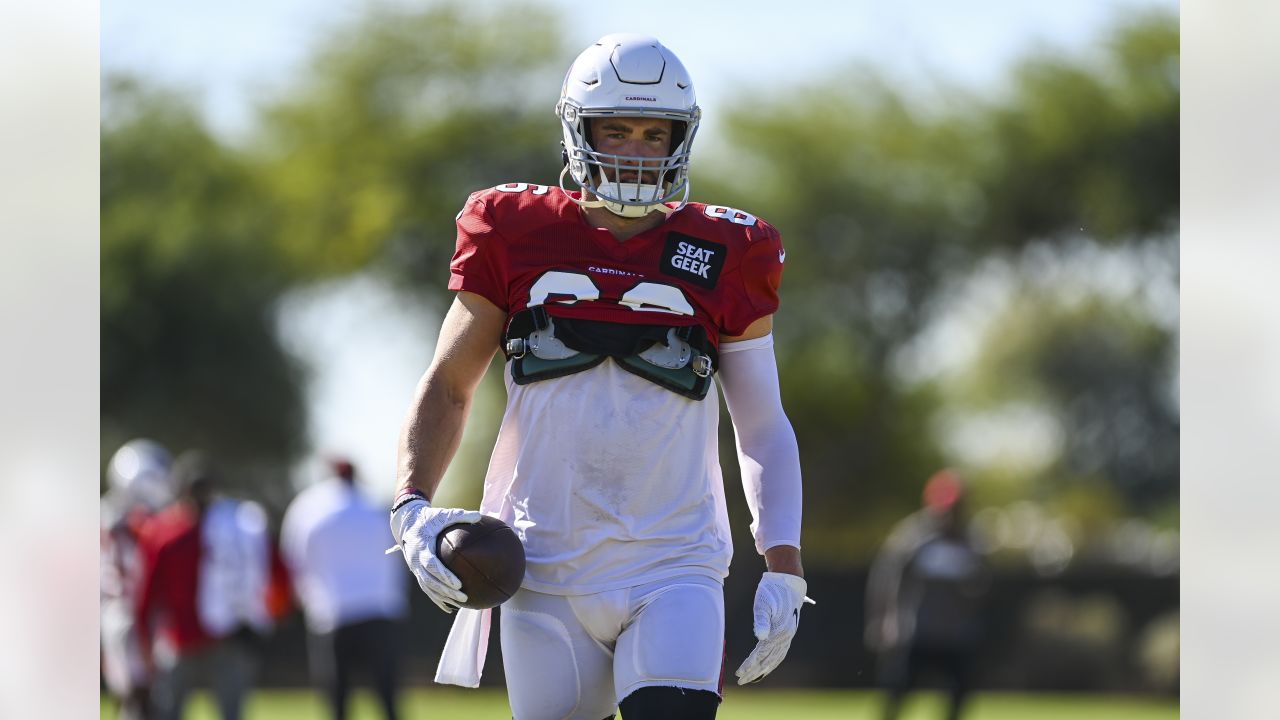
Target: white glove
point(416, 526)
point(777, 617)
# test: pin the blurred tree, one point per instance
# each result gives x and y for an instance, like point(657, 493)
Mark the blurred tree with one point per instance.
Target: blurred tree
point(1085, 148)
point(400, 117)
point(887, 205)
point(365, 163)
point(1102, 368)
point(189, 350)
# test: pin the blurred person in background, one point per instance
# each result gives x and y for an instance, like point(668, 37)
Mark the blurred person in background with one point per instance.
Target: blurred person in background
point(206, 578)
point(925, 598)
point(333, 539)
point(138, 485)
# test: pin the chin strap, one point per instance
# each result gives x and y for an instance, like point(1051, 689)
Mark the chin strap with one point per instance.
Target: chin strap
point(619, 209)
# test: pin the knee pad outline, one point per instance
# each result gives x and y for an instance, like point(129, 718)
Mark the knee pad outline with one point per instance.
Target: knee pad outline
point(666, 702)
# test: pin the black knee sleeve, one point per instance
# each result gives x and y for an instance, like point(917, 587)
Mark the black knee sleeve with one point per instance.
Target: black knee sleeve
point(670, 703)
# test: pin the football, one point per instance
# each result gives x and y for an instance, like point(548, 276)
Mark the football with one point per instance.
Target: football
point(487, 557)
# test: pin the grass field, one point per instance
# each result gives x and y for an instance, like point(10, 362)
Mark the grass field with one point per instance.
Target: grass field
point(739, 704)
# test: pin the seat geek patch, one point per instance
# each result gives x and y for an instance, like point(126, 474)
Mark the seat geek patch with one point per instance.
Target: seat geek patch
point(693, 259)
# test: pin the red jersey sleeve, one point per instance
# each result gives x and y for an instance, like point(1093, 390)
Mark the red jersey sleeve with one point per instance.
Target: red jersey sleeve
point(479, 259)
point(148, 588)
point(759, 277)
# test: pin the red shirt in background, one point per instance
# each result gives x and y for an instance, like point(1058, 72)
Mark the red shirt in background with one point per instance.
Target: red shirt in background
point(170, 545)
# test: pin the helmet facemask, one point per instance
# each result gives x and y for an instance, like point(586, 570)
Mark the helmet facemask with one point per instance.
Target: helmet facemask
point(600, 174)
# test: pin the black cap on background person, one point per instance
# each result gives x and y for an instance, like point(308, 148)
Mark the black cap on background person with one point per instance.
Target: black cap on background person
point(195, 477)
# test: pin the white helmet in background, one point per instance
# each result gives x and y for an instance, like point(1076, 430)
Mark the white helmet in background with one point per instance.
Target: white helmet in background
point(626, 75)
point(139, 472)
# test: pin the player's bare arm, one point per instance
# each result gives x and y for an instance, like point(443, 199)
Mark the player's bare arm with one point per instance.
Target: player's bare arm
point(430, 436)
point(784, 559)
point(432, 430)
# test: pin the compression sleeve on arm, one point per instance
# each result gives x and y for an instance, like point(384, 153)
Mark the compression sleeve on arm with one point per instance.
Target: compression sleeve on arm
point(767, 452)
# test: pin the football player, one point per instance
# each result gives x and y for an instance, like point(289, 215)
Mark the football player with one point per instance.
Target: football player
point(624, 312)
point(138, 485)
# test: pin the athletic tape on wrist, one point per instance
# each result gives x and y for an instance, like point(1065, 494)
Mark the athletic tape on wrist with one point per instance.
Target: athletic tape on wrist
point(406, 496)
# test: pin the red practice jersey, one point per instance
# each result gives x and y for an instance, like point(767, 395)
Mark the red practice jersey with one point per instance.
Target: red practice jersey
point(521, 245)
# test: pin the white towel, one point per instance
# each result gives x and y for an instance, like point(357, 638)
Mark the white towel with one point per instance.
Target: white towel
point(463, 658)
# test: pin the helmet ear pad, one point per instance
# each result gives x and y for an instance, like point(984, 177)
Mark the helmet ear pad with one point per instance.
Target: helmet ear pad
point(588, 140)
point(679, 130)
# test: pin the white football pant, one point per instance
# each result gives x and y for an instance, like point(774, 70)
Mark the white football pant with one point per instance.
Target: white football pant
point(577, 656)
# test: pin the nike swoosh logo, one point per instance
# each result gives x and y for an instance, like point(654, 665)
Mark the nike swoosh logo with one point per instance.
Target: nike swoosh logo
point(782, 255)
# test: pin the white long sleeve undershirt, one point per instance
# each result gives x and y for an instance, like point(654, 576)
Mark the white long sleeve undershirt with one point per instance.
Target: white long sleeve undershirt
point(768, 455)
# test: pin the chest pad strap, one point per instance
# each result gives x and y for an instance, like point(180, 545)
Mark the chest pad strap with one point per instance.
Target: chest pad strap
point(680, 359)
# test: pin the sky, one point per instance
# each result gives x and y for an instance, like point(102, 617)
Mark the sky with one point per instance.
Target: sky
point(232, 51)
point(363, 372)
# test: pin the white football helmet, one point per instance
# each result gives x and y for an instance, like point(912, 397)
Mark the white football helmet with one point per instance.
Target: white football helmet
point(625, 75)
point(139, 472)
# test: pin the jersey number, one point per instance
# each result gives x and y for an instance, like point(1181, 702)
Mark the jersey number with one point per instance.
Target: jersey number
point(645, 296)
point(521, 187)
point(730, 214)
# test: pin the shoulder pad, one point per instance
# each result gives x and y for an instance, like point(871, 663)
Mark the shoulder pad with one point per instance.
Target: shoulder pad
point(528, 200)
point(726, 224)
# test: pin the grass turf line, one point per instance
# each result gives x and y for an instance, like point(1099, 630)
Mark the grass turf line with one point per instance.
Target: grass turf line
point(739, 704)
